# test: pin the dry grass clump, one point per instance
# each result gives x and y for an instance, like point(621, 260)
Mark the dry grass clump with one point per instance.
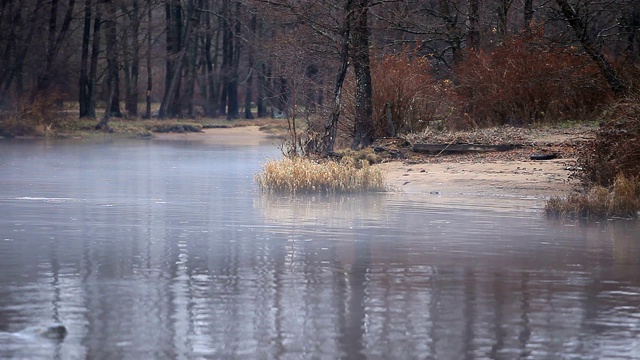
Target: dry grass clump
point(174, 127)
point(37, 116)
point(302, 175)
point(621, 200)
point(358, 156)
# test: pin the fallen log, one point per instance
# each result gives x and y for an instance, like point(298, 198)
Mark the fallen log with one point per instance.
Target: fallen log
point(460, 148)
point(544, 156)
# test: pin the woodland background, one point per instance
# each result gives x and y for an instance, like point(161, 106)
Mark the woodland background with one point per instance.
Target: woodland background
point(349, 69)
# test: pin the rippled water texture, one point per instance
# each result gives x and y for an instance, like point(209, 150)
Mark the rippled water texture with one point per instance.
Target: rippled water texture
point(152, 249)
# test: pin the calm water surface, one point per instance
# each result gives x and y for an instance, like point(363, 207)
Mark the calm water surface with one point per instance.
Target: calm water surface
point(158, 249)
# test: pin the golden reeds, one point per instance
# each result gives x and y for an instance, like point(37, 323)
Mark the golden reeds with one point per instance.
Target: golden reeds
point(302, 175)
point(621, 200)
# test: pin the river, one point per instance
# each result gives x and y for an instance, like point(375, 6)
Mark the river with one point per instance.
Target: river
point(168, 250)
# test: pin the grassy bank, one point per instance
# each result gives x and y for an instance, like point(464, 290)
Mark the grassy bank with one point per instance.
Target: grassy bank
point(68, 125)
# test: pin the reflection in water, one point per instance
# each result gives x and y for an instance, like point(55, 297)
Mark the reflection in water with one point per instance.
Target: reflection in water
point(168, 250)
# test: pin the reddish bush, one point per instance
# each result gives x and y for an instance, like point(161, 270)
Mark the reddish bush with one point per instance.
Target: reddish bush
point(615, 149)
point(525, 81)
point(406, 96)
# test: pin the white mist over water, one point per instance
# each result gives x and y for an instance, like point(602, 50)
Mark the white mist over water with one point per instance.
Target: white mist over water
point(151, 249)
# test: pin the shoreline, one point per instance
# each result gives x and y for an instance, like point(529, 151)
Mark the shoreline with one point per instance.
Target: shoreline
point(239, 136)
point(511, 174)
point(477, 178)
point(526, 179)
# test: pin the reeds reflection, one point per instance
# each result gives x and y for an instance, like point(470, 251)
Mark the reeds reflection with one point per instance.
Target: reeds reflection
point(342, 210)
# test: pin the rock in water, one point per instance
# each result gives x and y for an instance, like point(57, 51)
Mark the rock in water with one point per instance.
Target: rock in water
point(54, 332)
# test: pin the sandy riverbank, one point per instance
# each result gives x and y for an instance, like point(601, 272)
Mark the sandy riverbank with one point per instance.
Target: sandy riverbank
point(241, 136)
point(511, 174)
point(522, 178)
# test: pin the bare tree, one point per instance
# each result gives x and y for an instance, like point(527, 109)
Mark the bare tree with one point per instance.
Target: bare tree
point(147, 114)
point(131, 56)
point(112, 65)
point(56, 36)
point(363, 132)
point(93, 66)
point(251, 62)
point(169, 105)
point(578, 25)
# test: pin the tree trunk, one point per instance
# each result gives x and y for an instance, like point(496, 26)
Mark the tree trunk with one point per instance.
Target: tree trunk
point(170, 101)
point(283, 96)
point(613, 79)
point(248, 93)
point(474, 24)
point(147, 114)
point(262, 91)
point(227, 56)
point(104, 122)
point(363, 136)
point(249, 83)
point(132, 97)
point(331, 127)
point(21, 50)
point(45, 77)
point(190, 77)
point(172, 93)
point(211, 49)
point(113, 106)
point(112, 64)
point(454, 37)
point(10, 47)
point(528, 14)
point(54, 42)
point(83, 86)
point(93, 67)
point(503, 18)
point(233, 111)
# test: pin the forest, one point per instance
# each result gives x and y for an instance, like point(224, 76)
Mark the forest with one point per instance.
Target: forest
point(349, 70)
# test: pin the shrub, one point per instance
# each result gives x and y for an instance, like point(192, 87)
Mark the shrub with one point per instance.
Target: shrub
point(31, 116)
point(525, 81)
point(406, 96)
point(615, 149)
point(302, 175)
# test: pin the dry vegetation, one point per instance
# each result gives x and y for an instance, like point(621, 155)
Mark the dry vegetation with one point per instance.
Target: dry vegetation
point(527, 80)
point(608, 168)
point(620, 200)
point(38, 116)
point(51, 118)
point(301, 175)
